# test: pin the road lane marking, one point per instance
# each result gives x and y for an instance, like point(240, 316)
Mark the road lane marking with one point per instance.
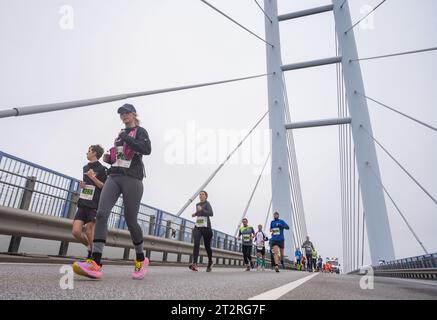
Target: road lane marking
point(276, 293)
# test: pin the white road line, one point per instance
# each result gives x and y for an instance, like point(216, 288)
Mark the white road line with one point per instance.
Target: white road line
point(275, 294)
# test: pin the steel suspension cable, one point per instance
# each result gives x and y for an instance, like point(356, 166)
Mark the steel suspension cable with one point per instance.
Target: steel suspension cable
point(21, 111)
point(400, 166)
point(368, 14)
point(235, 22)
point(190, 200)
point(399, 211)
point(396, 111)
point(252, 194)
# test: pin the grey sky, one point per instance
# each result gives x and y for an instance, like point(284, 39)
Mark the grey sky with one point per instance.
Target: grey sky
point(127, 46)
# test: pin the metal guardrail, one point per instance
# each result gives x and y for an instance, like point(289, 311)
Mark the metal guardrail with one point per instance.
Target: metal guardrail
point(28, 186)
point(50, 194)
point(427, 273)
point(420, 267)
point(27, 224)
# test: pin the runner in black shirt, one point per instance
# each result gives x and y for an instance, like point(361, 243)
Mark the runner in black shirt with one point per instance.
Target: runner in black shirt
point(94, 177)
point(202, 229)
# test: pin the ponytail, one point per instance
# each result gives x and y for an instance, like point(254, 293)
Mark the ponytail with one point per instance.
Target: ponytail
point(137, 121)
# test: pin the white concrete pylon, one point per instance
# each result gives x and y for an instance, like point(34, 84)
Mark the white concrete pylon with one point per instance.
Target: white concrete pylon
point(378, 228)
point(281, 197)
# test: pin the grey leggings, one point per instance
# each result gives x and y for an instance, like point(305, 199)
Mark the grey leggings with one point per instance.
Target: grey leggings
point(132, 190)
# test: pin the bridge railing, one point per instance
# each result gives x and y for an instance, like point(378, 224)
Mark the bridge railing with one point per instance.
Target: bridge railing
point(28, 186)
point(51, 191)
point(420, 267)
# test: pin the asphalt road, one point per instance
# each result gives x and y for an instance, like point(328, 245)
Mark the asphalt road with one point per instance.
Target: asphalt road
point(42, 281)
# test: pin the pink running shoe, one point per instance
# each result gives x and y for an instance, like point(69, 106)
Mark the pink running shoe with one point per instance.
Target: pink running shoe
point(89, 269)
point(140, 269)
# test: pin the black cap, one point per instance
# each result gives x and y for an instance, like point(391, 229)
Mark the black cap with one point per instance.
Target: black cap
point(126, 108)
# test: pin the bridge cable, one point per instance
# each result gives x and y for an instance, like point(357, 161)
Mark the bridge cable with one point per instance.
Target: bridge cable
point(293, 163)
point(347, 193)
point(357, 211)
point(398, 112)
point(399, 211)
point(19, 111)
point(274, 187)
point(349, 160)
point(265, 14)
point(295, 205)
point(268, 214)
point(294, 199)
point(358, 223)
point(295, 218)
point(363, 235)
point(252, 194)
point(295, 210)
point(294, 178)
point(347, 141)
point(368, 14)
point(295, 231)
point(298, 191)
point(341, 154)
point(400, 165)
point(190, 200)
point(395, 54)
point(349, 181)
point(342, 5)
point(352, 200)
point(235, 22)
point(353, 210)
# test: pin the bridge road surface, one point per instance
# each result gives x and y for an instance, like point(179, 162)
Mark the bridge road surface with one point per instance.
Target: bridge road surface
point(41, 281)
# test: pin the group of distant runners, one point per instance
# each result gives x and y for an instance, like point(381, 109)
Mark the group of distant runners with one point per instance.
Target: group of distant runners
point(259, 239)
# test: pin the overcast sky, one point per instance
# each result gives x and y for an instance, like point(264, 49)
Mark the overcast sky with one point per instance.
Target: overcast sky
point(126, 46)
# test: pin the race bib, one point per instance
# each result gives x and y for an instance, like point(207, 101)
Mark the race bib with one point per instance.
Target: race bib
point(120, 160)
point(276, 231)
point(247, 238)
point(201, 222)
point(87, 193)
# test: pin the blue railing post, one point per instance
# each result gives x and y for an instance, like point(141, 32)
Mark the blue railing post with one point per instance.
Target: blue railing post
point(214, 244)
point(25, 202)
point(71, 210)
point(181, 238)
point(67, 203)
point(158, 222)
point(434, 260)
